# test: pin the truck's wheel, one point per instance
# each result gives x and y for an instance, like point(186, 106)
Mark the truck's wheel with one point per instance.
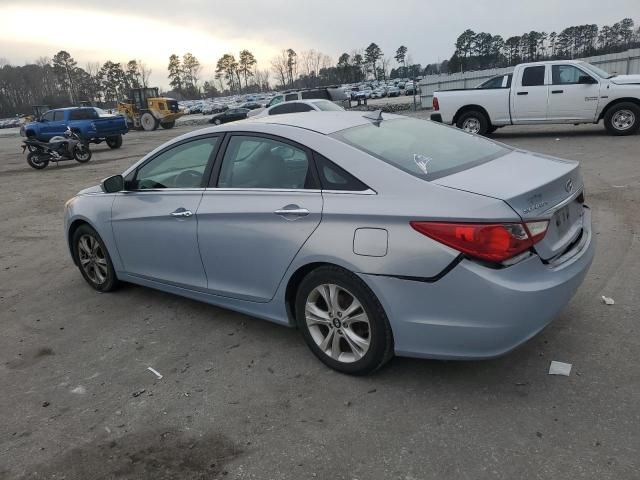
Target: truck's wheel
point(622, 119)
point(148, 122)
point(473, 122)
point(115, 141)
point(168, 125)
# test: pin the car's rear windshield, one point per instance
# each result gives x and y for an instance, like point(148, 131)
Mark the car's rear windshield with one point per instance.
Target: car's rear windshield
point(422, 148)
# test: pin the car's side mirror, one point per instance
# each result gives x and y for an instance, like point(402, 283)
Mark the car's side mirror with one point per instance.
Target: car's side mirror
point(586, 80)
point(113, 184)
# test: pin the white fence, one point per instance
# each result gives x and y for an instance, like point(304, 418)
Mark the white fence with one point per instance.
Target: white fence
point(622, 63)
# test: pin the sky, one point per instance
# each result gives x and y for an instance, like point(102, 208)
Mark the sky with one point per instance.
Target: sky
point(151, 30)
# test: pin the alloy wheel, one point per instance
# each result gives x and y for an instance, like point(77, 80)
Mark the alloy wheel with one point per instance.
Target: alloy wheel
point(337, 323)
point(92, 259)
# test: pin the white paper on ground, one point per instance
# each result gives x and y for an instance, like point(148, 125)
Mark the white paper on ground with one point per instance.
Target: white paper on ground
point(608, 300)
point(559, 368)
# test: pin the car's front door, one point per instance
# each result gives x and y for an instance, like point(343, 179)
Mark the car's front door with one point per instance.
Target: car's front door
point(263, 204)
point(569, 100)
point(155, 221)
point(529, 96)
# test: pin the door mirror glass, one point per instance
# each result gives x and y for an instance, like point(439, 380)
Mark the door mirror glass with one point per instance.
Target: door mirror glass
point(113, 184)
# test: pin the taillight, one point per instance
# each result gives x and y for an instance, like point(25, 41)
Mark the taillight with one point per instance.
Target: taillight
point(494, 242)
point(436, 104)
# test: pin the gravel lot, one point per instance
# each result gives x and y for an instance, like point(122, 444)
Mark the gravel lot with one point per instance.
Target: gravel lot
point(243, 398)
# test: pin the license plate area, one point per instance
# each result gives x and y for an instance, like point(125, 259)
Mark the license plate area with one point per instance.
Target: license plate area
point(563, 220)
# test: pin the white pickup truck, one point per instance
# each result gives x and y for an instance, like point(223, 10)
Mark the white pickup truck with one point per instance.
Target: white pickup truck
point(566, 91)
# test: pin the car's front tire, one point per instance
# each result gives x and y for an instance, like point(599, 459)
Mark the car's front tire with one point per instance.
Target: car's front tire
point(342, 321)
point(93, 259)
point(622, 119)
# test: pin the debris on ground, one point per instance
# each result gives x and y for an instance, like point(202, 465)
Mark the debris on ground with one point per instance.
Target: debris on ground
point(559, 368)
point(45, 404)
point(155, 372)
point(138, 393)
point(608, 300)
point(79, 390)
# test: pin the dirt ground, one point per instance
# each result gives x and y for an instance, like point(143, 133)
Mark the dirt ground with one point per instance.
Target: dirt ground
point(242, 398)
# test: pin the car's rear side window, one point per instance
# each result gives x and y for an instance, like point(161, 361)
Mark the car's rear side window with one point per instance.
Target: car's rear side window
point(83, 114)
point(533, 76)
point(424, 149)
point(333, 177)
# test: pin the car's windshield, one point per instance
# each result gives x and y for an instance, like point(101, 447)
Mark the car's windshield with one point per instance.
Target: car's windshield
point(424, 149)
point(598, 71)
point(327, 106)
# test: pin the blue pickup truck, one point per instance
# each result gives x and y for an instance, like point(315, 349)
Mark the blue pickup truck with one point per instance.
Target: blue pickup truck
point(87, 122)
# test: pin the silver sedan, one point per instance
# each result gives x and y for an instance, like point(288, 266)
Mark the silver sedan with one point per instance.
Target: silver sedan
point(373, 235)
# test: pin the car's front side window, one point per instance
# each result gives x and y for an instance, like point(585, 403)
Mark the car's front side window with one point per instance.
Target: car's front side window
point(182, 166)
point(259, 162)
point(566, 74)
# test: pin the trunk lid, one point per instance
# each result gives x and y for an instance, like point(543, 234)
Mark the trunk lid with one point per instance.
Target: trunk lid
point(536, 187)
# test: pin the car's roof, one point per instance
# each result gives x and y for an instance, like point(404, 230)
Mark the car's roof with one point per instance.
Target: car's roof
point(321, 122)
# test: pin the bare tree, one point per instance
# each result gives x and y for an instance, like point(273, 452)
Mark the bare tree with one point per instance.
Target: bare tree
point(279, 67)
point(145, 73)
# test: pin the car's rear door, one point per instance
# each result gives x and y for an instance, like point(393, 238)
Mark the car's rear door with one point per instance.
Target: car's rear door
point(155, 222)
point(529, 95)
point(262, 205)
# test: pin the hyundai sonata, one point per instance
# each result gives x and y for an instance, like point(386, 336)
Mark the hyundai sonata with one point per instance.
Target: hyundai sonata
point(373, 235)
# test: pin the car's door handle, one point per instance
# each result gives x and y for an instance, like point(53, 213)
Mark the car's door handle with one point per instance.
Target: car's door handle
point(523, 93)
point(292, 211)
point(182, 212)
point(557, 91)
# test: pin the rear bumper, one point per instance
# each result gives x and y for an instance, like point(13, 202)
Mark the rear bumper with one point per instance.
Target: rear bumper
point(436, 117)
point(475, 312)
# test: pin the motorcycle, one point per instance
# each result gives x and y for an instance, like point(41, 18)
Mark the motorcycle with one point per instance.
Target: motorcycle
point(59, 148)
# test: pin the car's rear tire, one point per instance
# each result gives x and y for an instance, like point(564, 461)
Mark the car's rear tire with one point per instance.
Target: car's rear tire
point(114, 141)
point(217, 121)
point(473, 121)
point(622, 119)
point(93, 259)
point(342, 321)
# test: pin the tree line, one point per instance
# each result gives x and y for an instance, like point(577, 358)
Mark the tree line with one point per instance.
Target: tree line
point(477, 51)
point(60, 81)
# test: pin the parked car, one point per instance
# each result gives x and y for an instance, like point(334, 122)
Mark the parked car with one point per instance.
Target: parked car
point(562, 91)
point(299, 106)
point(393, 91)
point(410, 88)
point(251, 105)
point(230, 115)
point(371, 234)
point(334, 94)
point(85, 121)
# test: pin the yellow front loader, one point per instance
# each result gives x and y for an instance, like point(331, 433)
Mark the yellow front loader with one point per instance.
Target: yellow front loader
point(146, 110)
